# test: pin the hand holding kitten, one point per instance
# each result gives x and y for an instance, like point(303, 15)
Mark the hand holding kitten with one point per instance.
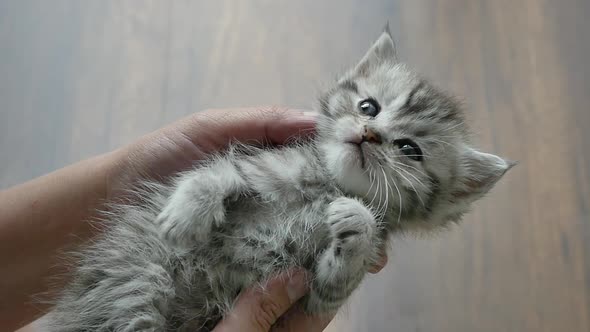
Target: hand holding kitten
point(179, 145)
point(70, 192)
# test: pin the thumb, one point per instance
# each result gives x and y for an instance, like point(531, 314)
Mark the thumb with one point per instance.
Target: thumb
point(258, 308)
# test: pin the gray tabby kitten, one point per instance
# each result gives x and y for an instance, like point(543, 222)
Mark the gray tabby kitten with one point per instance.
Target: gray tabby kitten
point(391, 155)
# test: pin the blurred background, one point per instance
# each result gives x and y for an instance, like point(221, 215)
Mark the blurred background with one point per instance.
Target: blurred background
point(79, 78)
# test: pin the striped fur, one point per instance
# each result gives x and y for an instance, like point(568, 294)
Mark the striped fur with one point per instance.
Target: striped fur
point(177, 260)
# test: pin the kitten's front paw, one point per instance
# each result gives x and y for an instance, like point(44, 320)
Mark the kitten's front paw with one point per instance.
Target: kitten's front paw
point(190, 215)
point(354, 232)
point(342, 266)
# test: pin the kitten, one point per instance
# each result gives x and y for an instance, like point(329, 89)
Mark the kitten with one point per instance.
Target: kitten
point(391, 154)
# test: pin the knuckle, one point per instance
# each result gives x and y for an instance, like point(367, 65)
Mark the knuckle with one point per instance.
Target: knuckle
point(274, 109)
point(266, 314)
point(273, 113)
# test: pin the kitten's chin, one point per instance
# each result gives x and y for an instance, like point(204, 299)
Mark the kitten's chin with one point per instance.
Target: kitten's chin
point(346, 164)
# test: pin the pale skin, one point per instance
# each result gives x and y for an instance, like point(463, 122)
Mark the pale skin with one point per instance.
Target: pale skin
point(41, 218)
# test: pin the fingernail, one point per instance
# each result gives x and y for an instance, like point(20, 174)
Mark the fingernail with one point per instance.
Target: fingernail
point(300, 110)
point(297, 286)
point(310, 114)
point(304, 115)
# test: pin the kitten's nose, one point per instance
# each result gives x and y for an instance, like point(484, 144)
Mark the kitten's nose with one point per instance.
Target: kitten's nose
point(371, 136)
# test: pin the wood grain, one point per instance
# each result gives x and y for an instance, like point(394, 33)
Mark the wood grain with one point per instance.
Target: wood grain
point(78, 78)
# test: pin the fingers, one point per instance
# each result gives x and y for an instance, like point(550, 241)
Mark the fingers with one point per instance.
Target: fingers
point(296, 320)
point(257, 309)
point(213, 129)
point(381, 262)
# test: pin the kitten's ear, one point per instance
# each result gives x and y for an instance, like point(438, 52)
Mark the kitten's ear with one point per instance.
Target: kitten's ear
point(478, 173)
point(382, 50)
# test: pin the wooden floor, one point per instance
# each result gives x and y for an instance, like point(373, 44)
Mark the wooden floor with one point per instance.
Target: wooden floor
point(78, 78)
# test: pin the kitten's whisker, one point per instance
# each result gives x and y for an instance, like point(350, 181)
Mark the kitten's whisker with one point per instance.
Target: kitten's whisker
point(412, 175)
point(411, 184)
point(444, 136)
point(376, 191)
point(367, 170)
point(382, 202)
point(412, 167)
point(386, 191)
point(370, 180)
point(399, 216)
point(383, 208)
point(440, 142)
point(452, 127)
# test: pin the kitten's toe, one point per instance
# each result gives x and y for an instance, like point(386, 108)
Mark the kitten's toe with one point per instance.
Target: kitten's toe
point(354, 231)
point(344, 263)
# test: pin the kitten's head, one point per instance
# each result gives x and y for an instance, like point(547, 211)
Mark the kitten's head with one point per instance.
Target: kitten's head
point(389, 136)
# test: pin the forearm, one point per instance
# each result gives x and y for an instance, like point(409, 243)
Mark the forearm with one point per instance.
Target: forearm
point(38, 220)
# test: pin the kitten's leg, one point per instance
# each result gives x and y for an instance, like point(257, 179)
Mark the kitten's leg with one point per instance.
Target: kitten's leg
point(140, 304)
point(197, 203)
point(341, 267)
point(130, 299)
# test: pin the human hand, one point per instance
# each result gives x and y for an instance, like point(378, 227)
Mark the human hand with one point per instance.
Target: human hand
point(258, 308)
point(181, 144)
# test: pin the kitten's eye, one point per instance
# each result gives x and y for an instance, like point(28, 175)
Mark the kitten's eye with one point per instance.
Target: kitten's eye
point(409, 148)
point(369, 107)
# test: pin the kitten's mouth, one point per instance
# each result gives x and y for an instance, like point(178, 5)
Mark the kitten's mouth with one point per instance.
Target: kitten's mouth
point(360, 151)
